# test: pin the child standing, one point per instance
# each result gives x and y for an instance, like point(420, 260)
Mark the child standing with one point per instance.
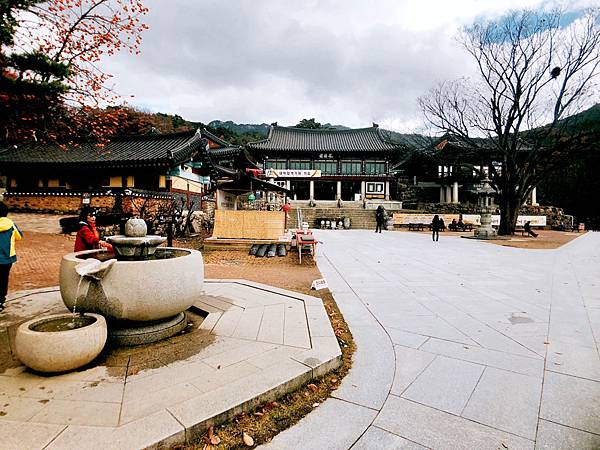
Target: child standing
point(9, 233)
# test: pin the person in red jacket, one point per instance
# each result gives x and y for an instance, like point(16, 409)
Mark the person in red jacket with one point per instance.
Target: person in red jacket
point(88, 237)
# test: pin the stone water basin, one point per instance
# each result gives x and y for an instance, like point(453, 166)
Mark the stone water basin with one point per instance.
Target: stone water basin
point(150, 289)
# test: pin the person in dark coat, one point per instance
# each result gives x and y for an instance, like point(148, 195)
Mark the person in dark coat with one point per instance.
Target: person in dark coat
point(379, 218)
point(436, 224)
point(528, 230)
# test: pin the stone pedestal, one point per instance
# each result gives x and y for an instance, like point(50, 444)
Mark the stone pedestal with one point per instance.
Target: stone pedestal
point(485, 230)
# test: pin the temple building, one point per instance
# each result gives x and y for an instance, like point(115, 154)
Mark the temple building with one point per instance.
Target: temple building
point(448, 170)
point(46, 177)
point(318, 165)
point(233, 172)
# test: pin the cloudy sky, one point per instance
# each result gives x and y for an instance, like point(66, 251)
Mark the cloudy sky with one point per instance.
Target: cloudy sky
point(349, 62)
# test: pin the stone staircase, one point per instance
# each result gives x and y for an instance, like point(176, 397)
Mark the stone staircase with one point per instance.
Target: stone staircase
point(359, 218)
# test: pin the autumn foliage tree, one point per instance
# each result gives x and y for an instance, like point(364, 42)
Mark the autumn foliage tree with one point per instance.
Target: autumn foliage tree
point(51, 82)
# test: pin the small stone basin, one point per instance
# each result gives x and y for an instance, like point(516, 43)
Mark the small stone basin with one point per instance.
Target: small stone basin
point(60, 342)
point(135, 247)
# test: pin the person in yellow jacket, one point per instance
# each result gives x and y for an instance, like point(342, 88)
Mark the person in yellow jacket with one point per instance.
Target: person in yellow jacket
point(9, 233)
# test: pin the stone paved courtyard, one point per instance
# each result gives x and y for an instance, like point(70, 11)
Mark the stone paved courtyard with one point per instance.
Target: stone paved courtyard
point(461, 345)
point(247, 343)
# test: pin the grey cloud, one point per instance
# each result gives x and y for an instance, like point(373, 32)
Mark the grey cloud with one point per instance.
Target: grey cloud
point(261, 61)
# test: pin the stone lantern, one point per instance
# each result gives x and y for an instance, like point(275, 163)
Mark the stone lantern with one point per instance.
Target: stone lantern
point(484, 193)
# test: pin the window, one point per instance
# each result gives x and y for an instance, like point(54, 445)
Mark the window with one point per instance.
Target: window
point(445, 171)
point(374, 167)
point(326, 167)
point(112, 181)
point(275, 164)
point(300, 165)
point(351, 168)
point(497, 167)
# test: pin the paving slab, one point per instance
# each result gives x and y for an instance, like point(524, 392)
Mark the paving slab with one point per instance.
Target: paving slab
point(433, 428)
point(380, 439)
point(473, 326)
point(552, 436)
point(446, 384)
point(571, 401)
point(410, 363)
point(370, 379)
point(25, 435)
point(165, 393)
point(515, 410)
point(311, 431)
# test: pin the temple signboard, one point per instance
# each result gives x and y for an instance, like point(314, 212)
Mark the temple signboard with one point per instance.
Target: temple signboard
point(292, 173)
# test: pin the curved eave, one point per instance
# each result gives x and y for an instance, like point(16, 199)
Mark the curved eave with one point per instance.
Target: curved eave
point(326, 150)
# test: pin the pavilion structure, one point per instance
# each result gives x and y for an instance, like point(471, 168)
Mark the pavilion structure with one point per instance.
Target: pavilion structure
point(449, 170)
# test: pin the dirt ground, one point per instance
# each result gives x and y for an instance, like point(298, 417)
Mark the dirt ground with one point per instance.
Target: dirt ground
point(547, 239)
point(38, 260)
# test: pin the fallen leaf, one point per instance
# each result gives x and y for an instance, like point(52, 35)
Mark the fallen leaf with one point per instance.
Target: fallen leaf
point(212, 437)
point(247, 439)
point(546, 343)
point(315, 405)
point(504, 445)
point(313, 387)
point(306, 394)
point(259, 414)
point(219, 366)
point(334, 380)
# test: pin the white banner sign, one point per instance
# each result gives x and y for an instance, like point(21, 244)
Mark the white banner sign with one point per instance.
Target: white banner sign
point(473, 219)
point(405, 219)
point(291, 173)
point(536, 221)
point(319, 284)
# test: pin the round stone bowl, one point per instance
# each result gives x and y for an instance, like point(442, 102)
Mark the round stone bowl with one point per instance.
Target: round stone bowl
point(59, 351)
point(135, 290)
point(135, 247)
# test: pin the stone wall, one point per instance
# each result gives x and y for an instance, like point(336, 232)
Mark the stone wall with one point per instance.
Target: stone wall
point(554, 216)
point(54, 204)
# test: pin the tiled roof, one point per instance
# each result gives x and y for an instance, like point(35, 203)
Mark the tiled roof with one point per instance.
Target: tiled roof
point(135, 151)
point(301, 139)
point(224, 152)
point(217, 140)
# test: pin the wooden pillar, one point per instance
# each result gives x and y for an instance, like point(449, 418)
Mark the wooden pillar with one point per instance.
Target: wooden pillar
point(455, 192)
point(534, 197)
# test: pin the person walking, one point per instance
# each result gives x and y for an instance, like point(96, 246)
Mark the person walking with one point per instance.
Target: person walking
point(9, 233)
point(379, 218)
point(436, 224)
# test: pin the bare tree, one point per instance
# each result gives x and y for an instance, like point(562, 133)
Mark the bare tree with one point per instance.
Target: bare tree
point(533, 75)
